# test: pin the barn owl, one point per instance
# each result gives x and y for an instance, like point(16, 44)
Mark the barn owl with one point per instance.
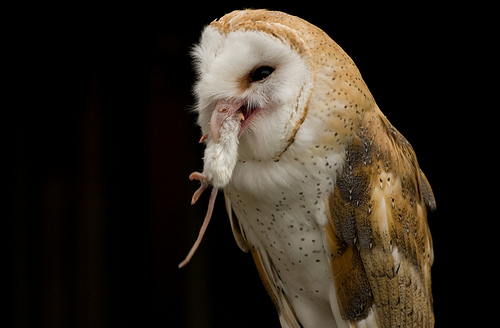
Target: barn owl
point(322, 190)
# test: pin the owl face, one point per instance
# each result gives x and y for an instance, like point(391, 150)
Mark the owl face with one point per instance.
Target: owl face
point(258, 77)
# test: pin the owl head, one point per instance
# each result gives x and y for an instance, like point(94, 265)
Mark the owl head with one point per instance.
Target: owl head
point(242, 63)
point(274, 70)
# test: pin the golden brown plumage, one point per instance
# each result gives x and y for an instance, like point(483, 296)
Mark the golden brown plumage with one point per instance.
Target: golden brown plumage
point(378, 211)
point(333, 204)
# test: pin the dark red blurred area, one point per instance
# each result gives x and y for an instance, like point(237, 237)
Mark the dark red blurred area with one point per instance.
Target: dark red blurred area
point(102, 146)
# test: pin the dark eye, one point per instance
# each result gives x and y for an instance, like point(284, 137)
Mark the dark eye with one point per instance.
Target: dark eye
point(261, 72)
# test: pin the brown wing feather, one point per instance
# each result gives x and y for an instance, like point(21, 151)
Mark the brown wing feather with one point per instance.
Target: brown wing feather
point(270, 278)
point(378, 214)
point(266, 270)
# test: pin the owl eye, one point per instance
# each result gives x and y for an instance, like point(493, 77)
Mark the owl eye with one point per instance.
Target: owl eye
point(260, 73)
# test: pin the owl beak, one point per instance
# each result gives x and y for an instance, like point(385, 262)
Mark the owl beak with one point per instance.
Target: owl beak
point(224, 110)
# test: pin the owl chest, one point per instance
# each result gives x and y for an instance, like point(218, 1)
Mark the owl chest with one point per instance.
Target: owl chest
point(288, 230)
point(289, 233)
point(285, 220)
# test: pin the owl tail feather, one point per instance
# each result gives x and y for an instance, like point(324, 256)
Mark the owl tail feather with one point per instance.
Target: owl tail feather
point(208, 216)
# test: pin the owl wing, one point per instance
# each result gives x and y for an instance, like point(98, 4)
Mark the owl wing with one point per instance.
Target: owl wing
point(381, 247)
point(267, 272)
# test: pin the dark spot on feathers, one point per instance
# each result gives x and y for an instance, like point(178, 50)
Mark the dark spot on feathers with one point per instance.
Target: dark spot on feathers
point(352, 193)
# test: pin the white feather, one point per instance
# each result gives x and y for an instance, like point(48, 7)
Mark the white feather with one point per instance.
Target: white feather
point(222, 61)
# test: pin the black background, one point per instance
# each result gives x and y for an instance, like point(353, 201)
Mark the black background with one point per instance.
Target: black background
point(103, 142)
